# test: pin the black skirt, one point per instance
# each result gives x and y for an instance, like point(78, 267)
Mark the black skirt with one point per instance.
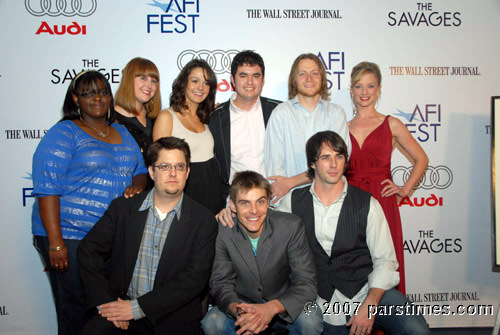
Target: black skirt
point(204, 185)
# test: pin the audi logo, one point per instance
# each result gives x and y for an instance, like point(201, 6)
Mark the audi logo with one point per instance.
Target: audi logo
point(61, 7)
point(439, 177)
point(219, 60)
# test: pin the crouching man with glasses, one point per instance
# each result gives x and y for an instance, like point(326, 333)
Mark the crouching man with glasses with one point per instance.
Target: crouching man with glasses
point(160, 246)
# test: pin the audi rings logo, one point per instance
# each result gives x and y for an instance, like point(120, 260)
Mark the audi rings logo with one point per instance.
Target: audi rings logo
point(61, 7)
point(439, 177)
point(219, 60)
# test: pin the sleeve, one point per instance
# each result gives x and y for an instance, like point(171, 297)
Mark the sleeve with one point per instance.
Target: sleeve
point(52, 159)
point(341, 127)
point(285, 204)
point(274, 150)
point(93, 251)
point(135, 149)
point(303, 287)
point(379, 241)
point(223, 278)
point(188, 283)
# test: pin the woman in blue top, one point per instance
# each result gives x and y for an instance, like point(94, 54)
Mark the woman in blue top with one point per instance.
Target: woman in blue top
point(81, 164)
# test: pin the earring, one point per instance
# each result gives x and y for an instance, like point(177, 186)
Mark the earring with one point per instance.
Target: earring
point(109, 113)
point(79, 111)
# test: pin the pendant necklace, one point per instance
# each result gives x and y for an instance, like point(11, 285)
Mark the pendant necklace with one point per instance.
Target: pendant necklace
point(98, 132)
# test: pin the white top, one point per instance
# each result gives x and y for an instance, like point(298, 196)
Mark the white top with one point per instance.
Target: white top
point(247, 139)
point(200, 144)
point(378, 238)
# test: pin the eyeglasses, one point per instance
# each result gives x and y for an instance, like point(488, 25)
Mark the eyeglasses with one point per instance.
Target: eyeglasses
point(90, 94)
point(168, 166)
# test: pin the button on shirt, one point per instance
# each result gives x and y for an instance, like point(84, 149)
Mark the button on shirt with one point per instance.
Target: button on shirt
point(247, 138)
point(378, 238)
point(288, 129)
point(153, 240)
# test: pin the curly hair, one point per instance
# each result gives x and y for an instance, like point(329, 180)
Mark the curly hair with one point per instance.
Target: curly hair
point(88, 79)
point(178, 95)
point(125, 95)
point(292, 79)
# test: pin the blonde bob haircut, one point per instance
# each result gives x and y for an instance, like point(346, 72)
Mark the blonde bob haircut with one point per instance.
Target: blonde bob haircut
point(125, 95)
point(292, 79)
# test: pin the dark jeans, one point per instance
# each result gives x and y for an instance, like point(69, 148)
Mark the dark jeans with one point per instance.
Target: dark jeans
point(101, 326)
point(66, 287)
point(390, 324)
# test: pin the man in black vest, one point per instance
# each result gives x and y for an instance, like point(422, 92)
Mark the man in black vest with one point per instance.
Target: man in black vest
point(355, 260)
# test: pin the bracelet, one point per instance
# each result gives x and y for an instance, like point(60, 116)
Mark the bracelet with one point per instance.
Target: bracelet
point(58, 248)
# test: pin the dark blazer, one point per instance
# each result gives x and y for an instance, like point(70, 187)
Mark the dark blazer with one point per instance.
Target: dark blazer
point(220, 127)
point(283, 268)
point(184, 266)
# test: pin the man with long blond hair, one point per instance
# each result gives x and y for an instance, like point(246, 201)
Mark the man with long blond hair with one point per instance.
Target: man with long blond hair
point(294, 121)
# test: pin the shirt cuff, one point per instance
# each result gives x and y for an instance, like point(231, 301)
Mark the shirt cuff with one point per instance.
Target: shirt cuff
point(137, 312)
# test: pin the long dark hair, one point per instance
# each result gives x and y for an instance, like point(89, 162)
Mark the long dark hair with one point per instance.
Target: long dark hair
point(178, 95)
point(87, 78)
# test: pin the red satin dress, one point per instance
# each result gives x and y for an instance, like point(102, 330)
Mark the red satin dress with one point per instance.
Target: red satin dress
point(368, 167)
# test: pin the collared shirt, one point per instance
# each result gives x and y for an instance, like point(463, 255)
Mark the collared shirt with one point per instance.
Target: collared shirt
point(152, 243)
point(289, 128)
point(378, 238)
point(247, 138)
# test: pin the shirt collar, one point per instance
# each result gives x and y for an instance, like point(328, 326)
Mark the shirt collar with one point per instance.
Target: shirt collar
point(149, 203)
point(295, 100)
point(342, 196)
point(233, 108)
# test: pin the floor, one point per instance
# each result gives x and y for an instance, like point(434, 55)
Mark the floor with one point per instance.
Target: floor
point(461, 331)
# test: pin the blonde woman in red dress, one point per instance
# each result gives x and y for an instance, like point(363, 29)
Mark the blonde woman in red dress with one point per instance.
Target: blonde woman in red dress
point(373, 137)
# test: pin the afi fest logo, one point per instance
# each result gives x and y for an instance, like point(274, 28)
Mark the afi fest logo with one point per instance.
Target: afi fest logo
point(424, 121)
point(219, 61)
point(179, 16)
point(66, 8)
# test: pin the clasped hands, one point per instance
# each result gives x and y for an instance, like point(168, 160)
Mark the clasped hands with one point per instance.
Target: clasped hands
point(119, 312)
point(253, 318)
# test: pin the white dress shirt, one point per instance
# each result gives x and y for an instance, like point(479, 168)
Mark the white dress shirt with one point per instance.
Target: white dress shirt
point(378, 238)
point(247, 139)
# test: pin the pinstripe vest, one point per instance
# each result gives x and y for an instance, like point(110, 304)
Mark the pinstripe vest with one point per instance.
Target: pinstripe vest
point(350, 263)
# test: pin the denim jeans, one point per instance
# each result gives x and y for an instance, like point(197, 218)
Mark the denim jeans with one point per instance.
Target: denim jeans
point(66, 288)
point(218, 323)
point(391, 324)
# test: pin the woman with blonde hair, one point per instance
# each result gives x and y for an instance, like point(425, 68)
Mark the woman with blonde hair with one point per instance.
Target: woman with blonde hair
point(373, 138)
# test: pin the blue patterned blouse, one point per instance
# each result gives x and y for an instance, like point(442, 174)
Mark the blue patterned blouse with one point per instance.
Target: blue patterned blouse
point(84, 172)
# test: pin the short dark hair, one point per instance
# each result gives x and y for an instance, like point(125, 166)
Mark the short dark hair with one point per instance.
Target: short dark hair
point(245, 181)
point(314, 144)
point(85, 78)
point(168, 143)
point(249, 57)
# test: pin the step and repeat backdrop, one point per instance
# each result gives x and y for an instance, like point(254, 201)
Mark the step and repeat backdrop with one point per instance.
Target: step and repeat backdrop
point(440, 67)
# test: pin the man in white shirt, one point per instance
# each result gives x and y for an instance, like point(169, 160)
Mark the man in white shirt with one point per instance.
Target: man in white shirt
point(294, 121)
point(355, 260)
point(238, 125)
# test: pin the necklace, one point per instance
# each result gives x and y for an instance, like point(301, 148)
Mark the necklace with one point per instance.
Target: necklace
point(98, 132)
